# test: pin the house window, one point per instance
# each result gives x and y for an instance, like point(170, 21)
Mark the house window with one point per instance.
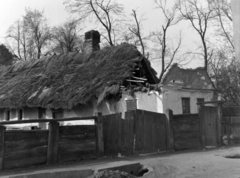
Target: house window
point(7, 115)
point(200, 100)
point(20, 114)
point(57, 113)
point(186, 105)
point(131, 104)
point(41, 113)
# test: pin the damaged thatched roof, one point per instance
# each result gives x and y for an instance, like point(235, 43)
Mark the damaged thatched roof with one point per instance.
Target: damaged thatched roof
point(63, 81)
point(187, 78)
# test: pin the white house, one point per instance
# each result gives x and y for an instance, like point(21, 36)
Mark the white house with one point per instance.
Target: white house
point(183, 88)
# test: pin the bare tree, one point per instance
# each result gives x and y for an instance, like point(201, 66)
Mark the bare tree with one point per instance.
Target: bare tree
point(66, 37)
point(17, 39)
point(37, 29)
point(199, 14)
point(136, 30)
point(223, 23)
point(168, 52)
point(105, 12)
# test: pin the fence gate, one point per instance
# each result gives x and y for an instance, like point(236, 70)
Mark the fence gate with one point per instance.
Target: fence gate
point(150, 132)
point(210, 125)
point(118, 134)
point(139, 132)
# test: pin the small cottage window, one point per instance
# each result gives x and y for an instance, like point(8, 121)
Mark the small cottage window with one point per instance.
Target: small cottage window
point(186, 105)
point(20, 114)
point(200, 100)
point(57, 113)
point(131, 104)
point(7, 115)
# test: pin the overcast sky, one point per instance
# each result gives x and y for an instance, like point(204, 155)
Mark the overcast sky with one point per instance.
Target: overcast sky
point(12, 10)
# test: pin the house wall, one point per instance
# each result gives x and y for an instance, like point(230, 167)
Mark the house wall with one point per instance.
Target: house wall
point(79, 111)
point(28, 113)
point(172, 99)
point(145, 101)
point(149, 101)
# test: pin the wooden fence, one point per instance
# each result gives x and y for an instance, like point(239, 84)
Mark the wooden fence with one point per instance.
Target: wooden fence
point(58, 144)
point(231, 125)
point(140, 132)
point(186, 128)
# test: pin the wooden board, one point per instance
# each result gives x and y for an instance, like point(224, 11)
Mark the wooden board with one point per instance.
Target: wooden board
point(13, 146)
point(28, 162)
point(112, 128)
point(69, 146)
point(25, 158)
point(79, 129)
point(150, 132)
point(127, 134)
point(26, 135)
point(210, 124)
point(186, 131)
point(77, 155)
point(77, 142)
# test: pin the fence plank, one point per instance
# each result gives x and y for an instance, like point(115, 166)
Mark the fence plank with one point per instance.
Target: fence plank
point(12, 146)
point(99, 126)
point(219, 124)
point(25, 135)
point(76, 129)
point(30, 161)
point(202, 126)
point(186, 131)
point(139, 132)
point(52, 153)
point(170, 130)
point(129, 129)
point(25, 158)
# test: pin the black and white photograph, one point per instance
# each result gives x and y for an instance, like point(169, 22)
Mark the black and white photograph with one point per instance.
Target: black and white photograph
point(120, 88)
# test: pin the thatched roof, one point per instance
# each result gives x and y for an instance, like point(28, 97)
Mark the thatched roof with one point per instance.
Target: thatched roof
point(63, 81)
point(187, 78)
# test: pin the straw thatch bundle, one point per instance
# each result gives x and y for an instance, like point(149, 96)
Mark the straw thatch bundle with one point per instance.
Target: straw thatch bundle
point(63, 81)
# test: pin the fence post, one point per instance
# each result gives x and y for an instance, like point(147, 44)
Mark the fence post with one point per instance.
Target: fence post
point(99, 133)
point(170, 138)
point(202, 125)
point(229, 130)
point(2, 130)
point(53, 137)
point(219, 124)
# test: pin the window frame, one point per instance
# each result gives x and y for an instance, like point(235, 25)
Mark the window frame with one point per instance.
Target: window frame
point(198, 100)
point(7, 115)
point(186, 105)
point(57, 111)
point(20, 114)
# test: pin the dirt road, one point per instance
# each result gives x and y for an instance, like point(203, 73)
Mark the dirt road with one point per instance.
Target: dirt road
point(194, 164)
point(203, 164)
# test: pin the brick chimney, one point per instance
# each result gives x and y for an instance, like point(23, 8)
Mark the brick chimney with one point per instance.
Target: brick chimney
point(91, 41)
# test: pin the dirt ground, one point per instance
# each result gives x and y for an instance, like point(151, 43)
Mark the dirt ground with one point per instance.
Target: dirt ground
point(187, 164)
point(200, 164)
